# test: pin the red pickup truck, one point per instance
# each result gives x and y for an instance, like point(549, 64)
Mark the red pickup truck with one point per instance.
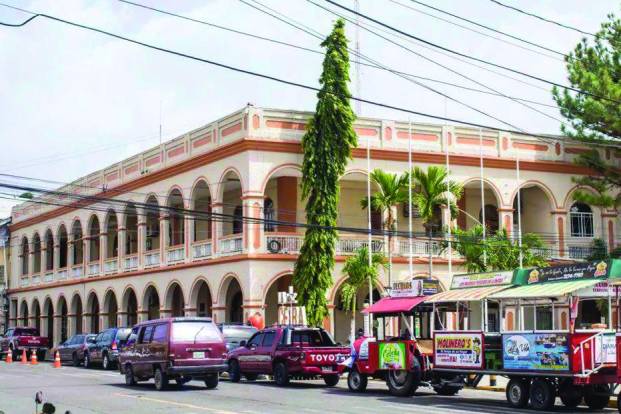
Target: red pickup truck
point(16, 339)
point(288, 352)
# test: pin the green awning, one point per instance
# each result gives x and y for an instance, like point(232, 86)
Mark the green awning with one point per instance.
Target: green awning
point(544, 290)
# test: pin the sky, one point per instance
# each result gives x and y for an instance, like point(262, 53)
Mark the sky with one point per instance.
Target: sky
point(74, 101)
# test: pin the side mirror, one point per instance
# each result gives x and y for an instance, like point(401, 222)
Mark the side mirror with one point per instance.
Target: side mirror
point(243, 343)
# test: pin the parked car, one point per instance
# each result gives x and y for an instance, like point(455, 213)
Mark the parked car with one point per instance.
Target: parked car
point(235, 333)
point(174, 348)
point(104, 349)
point(288, 352)
point(73, 349)
point(16, 339)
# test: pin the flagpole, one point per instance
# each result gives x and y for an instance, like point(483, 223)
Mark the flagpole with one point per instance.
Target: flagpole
point(448, 174)
point(483, 222)
point(519, 206)
point(411, 251)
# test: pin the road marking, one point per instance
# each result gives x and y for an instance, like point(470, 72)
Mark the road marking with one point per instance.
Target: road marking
point(177, 404)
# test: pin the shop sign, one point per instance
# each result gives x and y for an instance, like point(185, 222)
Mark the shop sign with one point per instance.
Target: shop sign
point(567, 272)
point(415, 287)
point(392, 355)
point(458, 350)
point(535, 352)
point(482, 279)
point(600, 289)
point(605, 349)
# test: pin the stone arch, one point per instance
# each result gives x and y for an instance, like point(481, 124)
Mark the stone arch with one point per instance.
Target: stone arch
point(48, 314)
point(111, 309)
point(280, 190)
point(130, 222)
point(63, 246)
point(174, 299)
point(222, 180)
point(77, 310)
point(62, 316)
point(152, 212)
point(544, 188)
point(231, 295)
point(24, 256)
point(230, 193)
point(569, 200)
point(23, 313)
point(93, 311)
point(282, 169)
point(36, 251)
point(35, 310)
point(201, 298)
point(176, 219)
point(201, 200)
point(536, 205)
point(94, 230)
point(471, 211)
point(111, 228)
point(151, 302)
point(48, 241)
point(77, 236)
point(129, 306)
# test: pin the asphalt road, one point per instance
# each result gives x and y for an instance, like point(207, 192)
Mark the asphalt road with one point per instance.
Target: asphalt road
point(97, 391)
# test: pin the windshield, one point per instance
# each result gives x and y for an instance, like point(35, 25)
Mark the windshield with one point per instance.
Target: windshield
point(123, 334)
point(311, 337)
point(237, 333)
point(194, 331)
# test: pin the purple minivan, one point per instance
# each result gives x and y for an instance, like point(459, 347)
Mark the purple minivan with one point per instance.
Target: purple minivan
point(182, 349)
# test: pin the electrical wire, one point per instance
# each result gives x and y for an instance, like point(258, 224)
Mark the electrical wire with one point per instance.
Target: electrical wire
point(566, 26)
point(467, 56)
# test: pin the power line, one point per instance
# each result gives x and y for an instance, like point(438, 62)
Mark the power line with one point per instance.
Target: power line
point(540, 79)
point(483, 26)
point(566, 26)
point(264, 76)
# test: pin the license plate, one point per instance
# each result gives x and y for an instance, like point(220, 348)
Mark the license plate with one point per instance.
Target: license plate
point(198, 355)
point(326, 369)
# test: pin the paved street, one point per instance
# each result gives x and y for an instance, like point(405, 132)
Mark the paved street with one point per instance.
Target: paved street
point(97, 391)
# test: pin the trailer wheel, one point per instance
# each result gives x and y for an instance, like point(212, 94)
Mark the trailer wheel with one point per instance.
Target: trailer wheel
point(542, 394)
point(596, 396)
point(517, 393)
point(356, 381)
point(570, 394)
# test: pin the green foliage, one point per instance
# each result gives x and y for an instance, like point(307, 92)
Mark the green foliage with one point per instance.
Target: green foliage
point(500, 252)
point(595, 67)
point(358, 273)
point(27, 195)
point(432, 190)
point(600, 251)
point(327, 147)
point(392, 190)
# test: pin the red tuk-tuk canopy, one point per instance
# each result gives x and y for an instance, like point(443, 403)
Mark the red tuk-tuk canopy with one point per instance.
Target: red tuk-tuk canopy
point(395, 305)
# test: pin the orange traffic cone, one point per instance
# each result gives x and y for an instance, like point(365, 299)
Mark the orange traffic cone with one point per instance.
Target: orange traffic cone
point(9, 356)
point(33, 358)
point(24, 359)
point(57, 360)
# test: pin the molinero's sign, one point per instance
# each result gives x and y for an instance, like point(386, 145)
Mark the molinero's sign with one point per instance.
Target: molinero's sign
point(567, 272)
point(458, 350)
point(481, 279)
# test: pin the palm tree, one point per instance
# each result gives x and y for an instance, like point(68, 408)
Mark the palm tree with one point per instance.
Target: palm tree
point(358, 274)
point(392, 190)
point(433, 190)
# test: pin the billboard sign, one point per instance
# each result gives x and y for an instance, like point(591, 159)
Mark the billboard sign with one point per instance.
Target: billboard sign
point(458, 350)
point(535, 352)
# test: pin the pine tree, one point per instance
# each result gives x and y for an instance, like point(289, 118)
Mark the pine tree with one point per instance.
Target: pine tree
point(327, 147)
point(595, 118)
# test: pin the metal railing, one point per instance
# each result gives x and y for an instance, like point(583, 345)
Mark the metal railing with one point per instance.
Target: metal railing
point(283, 243)
point(419, 248)
point(597, 351)
point(350, 245)
point(201, 249)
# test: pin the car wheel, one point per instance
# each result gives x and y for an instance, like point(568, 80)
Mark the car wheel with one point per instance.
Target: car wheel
point(129, 376)
point(331, 380)
point(542, 395)
point(251, 377)
point(74, 360)
point(161, 379)
point(596, 397)
point(448, 390)
point(87, 360)
point(211, 381)
point(234, 371)
point(570, 394)
point(356, 381)
point(281, 374)
point(105, 361)
point(517, 393)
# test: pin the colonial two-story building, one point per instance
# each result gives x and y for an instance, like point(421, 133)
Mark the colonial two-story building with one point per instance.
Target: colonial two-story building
point(84, 264)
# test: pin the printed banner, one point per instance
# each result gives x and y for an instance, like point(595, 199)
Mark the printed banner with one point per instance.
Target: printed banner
point(415, 287)
point(458, 350)
point(598, 290)
point(568, 272)
point(391, 355)
point(535, 352)
point(605, 349)
point(481, 279)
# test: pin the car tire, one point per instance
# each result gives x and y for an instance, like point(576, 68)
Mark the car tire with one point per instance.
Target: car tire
point(570, 394)
point(356, 381)
point(281, 374)
point(161, 379)
point(74, 360)
point(542, 395)
point(234, 371)
point(105, 361)
point(448, 390)
point(331, 380)
point(181, 381)
point(86, 362)
point(251, 377)
point(594, 398)
point(402, 383)
point(129, 376)
point(517, 393)
point(211, 381)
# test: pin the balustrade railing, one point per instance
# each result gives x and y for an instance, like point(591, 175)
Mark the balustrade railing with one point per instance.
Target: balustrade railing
point(111, 265)
point(231, 244)
point(48, 277)
point(62, 274)
point(350, 245)
point(284, 243)
point(175, 254)
point(36, 279)
point(152, 258)
point(93, 269)
point(77, 271)
point(201, 249)
point(131, 263)
point(24, 281)
point(419, 248)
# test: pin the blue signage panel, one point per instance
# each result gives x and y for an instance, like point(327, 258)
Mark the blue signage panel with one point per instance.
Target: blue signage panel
point(535, 351)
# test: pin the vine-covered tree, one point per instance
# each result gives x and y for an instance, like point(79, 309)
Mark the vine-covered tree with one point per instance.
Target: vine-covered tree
point(594, 117)
point(327, 147)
